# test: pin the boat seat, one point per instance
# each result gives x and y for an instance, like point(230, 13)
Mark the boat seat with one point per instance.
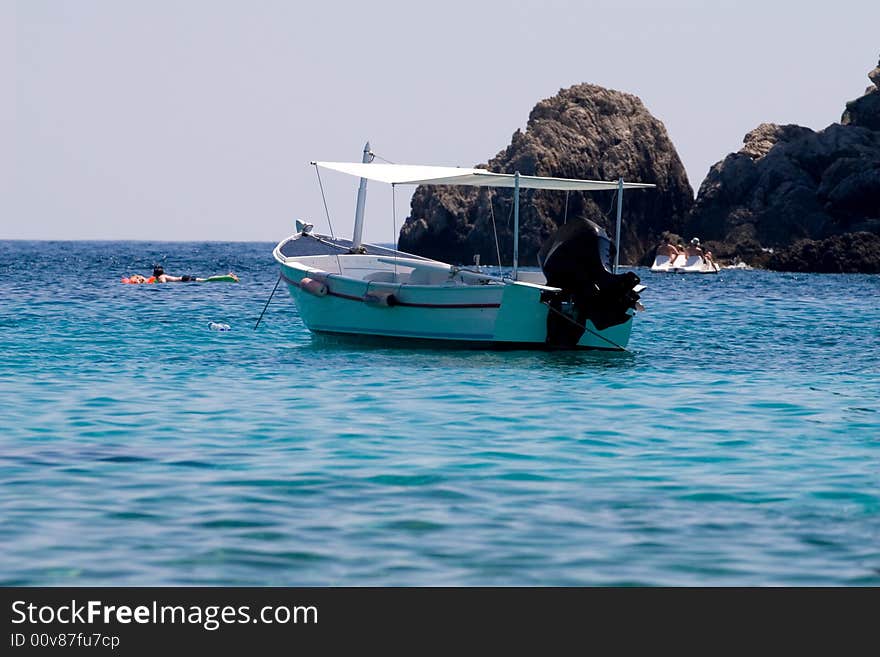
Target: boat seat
point(661, 262)
point(694, 262)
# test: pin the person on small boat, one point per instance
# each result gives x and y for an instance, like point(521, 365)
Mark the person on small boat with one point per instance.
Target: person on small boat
point(668, 249)
point(694, 249)
point(707, 256)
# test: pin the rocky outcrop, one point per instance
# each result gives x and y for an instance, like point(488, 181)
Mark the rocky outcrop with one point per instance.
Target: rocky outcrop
point(789, 183)
point(865, 111)
point(843, 254)
point(785, 195)
point(587, 132)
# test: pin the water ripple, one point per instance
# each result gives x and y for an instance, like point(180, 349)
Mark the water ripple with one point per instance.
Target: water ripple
point(737, 443)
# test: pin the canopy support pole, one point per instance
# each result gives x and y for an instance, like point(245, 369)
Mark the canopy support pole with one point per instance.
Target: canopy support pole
point(617, 232)
point(515, 224)
point(358, 231)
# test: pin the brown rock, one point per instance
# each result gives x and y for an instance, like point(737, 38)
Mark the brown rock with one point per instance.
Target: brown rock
point(586, 132)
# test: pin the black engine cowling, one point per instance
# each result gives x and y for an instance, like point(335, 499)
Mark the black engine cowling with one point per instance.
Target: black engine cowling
point(577, 258)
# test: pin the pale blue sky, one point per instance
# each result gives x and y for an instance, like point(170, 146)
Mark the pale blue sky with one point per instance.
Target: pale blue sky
point(190, 120)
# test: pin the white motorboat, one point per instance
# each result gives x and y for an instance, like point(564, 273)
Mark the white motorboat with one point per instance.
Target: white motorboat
point(346, 287)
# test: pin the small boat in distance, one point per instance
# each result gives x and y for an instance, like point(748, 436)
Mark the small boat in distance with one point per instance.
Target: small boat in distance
point(695, 264)
point(347, 287)
point(684, 260)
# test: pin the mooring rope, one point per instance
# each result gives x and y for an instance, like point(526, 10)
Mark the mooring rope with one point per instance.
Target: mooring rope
point(267, 302)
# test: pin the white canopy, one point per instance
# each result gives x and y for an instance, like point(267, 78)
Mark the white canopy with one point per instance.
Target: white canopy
point(409, 174)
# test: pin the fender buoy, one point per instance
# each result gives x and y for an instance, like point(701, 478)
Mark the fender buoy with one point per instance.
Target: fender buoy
point(316, 288)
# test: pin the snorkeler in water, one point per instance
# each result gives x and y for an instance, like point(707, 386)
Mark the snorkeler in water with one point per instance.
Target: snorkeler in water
point(159, 276)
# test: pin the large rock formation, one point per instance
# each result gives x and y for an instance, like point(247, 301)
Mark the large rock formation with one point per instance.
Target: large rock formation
point(585, 131)
point(789, 183)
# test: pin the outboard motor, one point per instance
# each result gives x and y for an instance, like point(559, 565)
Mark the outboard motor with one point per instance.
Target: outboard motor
point(577, 258)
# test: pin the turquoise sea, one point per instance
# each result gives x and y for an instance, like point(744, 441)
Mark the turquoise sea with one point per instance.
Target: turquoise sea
point(736, 443)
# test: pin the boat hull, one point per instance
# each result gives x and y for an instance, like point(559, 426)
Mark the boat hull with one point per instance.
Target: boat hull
point(511, 315)
point(682, 265)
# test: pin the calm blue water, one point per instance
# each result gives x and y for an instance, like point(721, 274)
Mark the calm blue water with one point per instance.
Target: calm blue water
point(737, 444)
